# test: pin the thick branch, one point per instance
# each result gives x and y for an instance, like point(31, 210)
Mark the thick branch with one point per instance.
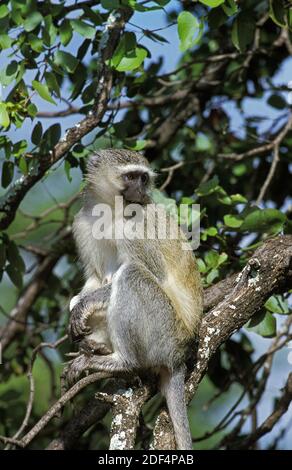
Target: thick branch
point(272, 265)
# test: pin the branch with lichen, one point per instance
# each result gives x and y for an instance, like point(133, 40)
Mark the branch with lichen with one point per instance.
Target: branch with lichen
point(267, 272)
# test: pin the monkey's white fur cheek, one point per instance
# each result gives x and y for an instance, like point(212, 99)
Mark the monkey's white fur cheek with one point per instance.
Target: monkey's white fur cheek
point(74, 301)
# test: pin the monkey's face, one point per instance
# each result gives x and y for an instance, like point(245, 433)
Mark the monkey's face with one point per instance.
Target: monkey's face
point(136, 186)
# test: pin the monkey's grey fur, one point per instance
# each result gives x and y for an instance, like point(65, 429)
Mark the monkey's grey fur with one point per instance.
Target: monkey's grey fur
point(142, 302)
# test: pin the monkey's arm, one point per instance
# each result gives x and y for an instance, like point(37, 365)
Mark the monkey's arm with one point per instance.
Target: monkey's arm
point(89, 304)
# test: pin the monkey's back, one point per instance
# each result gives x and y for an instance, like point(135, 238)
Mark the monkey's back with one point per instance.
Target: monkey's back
point(176, 266)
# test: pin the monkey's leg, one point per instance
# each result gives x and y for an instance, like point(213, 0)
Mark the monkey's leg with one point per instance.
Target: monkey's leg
point(88, 305)
point(84, 364)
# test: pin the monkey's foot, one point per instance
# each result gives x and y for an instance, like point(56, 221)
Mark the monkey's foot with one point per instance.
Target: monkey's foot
point(75, 368)
point(89, 346)
point(84, 364)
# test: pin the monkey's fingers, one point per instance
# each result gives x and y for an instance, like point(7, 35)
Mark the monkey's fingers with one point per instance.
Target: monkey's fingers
point(76, 368)
point(78, 328)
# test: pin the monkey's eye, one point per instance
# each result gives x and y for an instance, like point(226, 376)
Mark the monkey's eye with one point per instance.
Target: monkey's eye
point(128, 177)
point(144, 178)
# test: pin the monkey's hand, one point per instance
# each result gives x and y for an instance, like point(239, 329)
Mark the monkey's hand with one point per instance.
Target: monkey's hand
point(78, 324)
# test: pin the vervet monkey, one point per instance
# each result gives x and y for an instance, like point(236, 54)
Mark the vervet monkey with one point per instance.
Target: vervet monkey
point(142, 302)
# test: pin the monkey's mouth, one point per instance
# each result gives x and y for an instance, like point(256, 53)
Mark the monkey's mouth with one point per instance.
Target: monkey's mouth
point(140, 199)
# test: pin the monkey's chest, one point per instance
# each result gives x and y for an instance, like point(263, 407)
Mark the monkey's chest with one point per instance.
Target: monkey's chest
point(106, 260)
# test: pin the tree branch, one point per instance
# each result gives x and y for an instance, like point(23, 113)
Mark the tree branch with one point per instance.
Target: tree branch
point(18, 316)
point(276, 158)
point(280, 409)
point(272, 265)
point(268, 271)
point(11, 200)
point(262, 149)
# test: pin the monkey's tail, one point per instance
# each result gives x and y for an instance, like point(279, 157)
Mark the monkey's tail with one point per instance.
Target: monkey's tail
point(173, 388)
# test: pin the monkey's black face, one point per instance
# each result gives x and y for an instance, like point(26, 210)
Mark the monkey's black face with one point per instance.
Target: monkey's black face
point(136, 184)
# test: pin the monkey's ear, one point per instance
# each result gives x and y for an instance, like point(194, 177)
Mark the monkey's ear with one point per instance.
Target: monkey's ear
point(94, 160)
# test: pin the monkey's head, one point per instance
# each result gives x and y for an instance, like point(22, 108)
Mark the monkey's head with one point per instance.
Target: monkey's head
point(116, 172)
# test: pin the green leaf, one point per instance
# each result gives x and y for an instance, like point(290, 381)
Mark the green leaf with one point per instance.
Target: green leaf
point(232, 221)
point(110, 4)
point(161, 2)
point(14, 257)
point(277, 101)
point(32, 21)
point(203, 143)
point(212, 3)
point(79, 151)
point(223, 197)
point(263, 323)
point(49, 32)
point(190, 30)
point(37, 133)
point(65, 32)
point(205, 189)
point(67, 168)
point(222, 258)
point(66, 60)
point(131, 63)
point(5, 41)
point(238, 199)
point(4, 11)
point(154, 36)
point(83, 28)
point(230, 7)
point(22, 165)
point(7, 173)
point(43, 91)
point(276, 304)
point(52, 83)
point(137, 145)
point(211, 258)
point(19, 148)
point(168, 203)
point(2, 255)
point(263, 221)
point(277, 12)
point(35, 43)
point(51, 137)
point(9, 74)
point(217, 18)
point(127, 45)
point(213, 274)
point(14, 275)
point(240, 169)
point(214, 260)
point(209, 232)
point(201, 265)
point(95, 16)
point(243, 31)
point(4, 116)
